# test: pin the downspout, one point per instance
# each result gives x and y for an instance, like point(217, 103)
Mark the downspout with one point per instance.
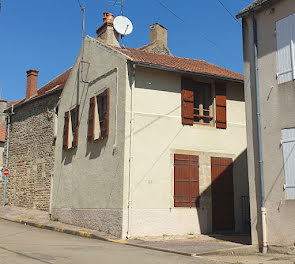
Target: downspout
point(131, 152)
point(263, 210)
point(7, 151)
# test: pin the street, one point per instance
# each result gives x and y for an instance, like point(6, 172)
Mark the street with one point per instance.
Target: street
point(22, 244)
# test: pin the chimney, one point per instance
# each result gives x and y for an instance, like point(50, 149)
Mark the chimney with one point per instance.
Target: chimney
point(32, 83)
point(158, 40)
point(3, 106)
point(158, 33)
point(106, 32)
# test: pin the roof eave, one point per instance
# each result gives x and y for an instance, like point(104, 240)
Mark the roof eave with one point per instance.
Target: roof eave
point(166, 68)
point(256, 8)
point(33, 99)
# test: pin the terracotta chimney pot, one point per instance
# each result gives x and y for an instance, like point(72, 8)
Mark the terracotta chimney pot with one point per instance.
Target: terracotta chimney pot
point(108, 17)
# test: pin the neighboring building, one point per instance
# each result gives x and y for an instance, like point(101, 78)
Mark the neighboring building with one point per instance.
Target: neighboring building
point(3, 106)
point(32, 143)
point(142, 136)
point(275, 23)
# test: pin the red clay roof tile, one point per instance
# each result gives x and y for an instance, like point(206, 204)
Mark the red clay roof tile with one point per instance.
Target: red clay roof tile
point(191, 65)
point(55, 84)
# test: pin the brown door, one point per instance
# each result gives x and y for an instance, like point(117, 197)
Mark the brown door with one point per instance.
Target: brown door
point(223, 218)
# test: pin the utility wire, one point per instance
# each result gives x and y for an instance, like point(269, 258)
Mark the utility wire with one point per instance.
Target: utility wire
point(179, 18)
point(170, 10)
point(78, 3)
point(229, 12)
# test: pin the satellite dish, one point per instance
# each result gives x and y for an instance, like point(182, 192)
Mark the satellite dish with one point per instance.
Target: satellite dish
point(123, 25)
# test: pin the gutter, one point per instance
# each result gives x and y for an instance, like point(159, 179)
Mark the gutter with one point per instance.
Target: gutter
point(263, 210)
point(131, 152)
point(160, 67)
point(255, 8)
point(21, 103)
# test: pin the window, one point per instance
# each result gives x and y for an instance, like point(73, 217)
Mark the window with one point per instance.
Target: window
point(285, 32)
point(186, 180)
point(98, 118)
point(288, 143)
point(197, 103)
point(71, 128)
point(203, 112)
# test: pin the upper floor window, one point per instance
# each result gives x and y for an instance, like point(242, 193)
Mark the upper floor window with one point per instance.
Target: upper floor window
point(203, 103)
point(285, 32)
point(71, 128)
point(98, 117)
point(197, 103)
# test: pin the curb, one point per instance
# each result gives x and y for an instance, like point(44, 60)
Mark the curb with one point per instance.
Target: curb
point(61, 230)
point(122, 242)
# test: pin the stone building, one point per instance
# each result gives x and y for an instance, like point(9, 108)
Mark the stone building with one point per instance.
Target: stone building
point(3, 106)
point(32, 143)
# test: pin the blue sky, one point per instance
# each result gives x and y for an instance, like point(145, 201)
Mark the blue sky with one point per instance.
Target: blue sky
point(46, 35)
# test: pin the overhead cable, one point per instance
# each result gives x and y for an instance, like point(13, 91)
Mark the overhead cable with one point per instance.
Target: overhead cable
point(229, 13)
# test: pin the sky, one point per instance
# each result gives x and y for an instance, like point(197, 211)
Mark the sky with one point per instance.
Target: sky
point(46, 35)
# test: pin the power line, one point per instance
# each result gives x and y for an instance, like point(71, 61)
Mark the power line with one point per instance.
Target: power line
point(174, 14)
point(229, 13)
point(79, 4)
point(170, 10)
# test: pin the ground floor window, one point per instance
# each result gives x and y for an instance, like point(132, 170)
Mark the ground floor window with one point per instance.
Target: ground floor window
point(288, 143)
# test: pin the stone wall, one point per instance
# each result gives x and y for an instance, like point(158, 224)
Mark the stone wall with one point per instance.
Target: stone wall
point(31, 154)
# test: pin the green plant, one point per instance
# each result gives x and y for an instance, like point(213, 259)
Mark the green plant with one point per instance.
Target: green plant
point(54, 219)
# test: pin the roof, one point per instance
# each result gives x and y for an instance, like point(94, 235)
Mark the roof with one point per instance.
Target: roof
point(2, 133)
point(14, 102)
point(257, 4)
point(178, 63)
point(54, 85)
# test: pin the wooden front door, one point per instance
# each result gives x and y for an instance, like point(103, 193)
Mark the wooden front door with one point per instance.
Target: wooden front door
point(222, 189)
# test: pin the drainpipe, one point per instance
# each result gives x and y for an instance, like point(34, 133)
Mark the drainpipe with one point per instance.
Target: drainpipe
point(131, 152)
point(7, 151)
point(263, 210)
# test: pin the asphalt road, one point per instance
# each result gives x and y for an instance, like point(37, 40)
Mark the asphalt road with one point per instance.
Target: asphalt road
point(20, 244)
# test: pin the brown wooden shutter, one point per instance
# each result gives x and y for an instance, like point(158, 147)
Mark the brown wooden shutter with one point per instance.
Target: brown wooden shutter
point(91, 119)
point(75, 125)
point(220, 105)
point(186, 180)
point(76, 128)
point(105, 113)
point(66, 130)
point(187, 101)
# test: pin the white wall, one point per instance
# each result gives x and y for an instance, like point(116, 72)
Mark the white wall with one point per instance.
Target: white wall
point(158, 134)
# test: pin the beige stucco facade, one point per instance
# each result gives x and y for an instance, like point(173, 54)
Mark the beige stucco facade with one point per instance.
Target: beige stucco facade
point(127, 190)
point(158, 134)
point(277, 113)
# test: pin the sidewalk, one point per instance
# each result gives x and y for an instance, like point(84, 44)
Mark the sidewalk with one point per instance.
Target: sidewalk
point(225, 249)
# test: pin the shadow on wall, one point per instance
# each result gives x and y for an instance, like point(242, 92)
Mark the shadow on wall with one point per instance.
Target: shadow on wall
point(227, 199)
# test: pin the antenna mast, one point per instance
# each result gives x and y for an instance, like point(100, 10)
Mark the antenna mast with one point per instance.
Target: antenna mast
point(122, 5)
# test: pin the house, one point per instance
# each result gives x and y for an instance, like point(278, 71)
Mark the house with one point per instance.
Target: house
point(3, 105)
point(149, 143)
point(32, 143)
point(268, 39)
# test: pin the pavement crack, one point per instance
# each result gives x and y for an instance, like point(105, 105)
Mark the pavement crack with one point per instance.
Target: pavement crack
point(25, 255)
